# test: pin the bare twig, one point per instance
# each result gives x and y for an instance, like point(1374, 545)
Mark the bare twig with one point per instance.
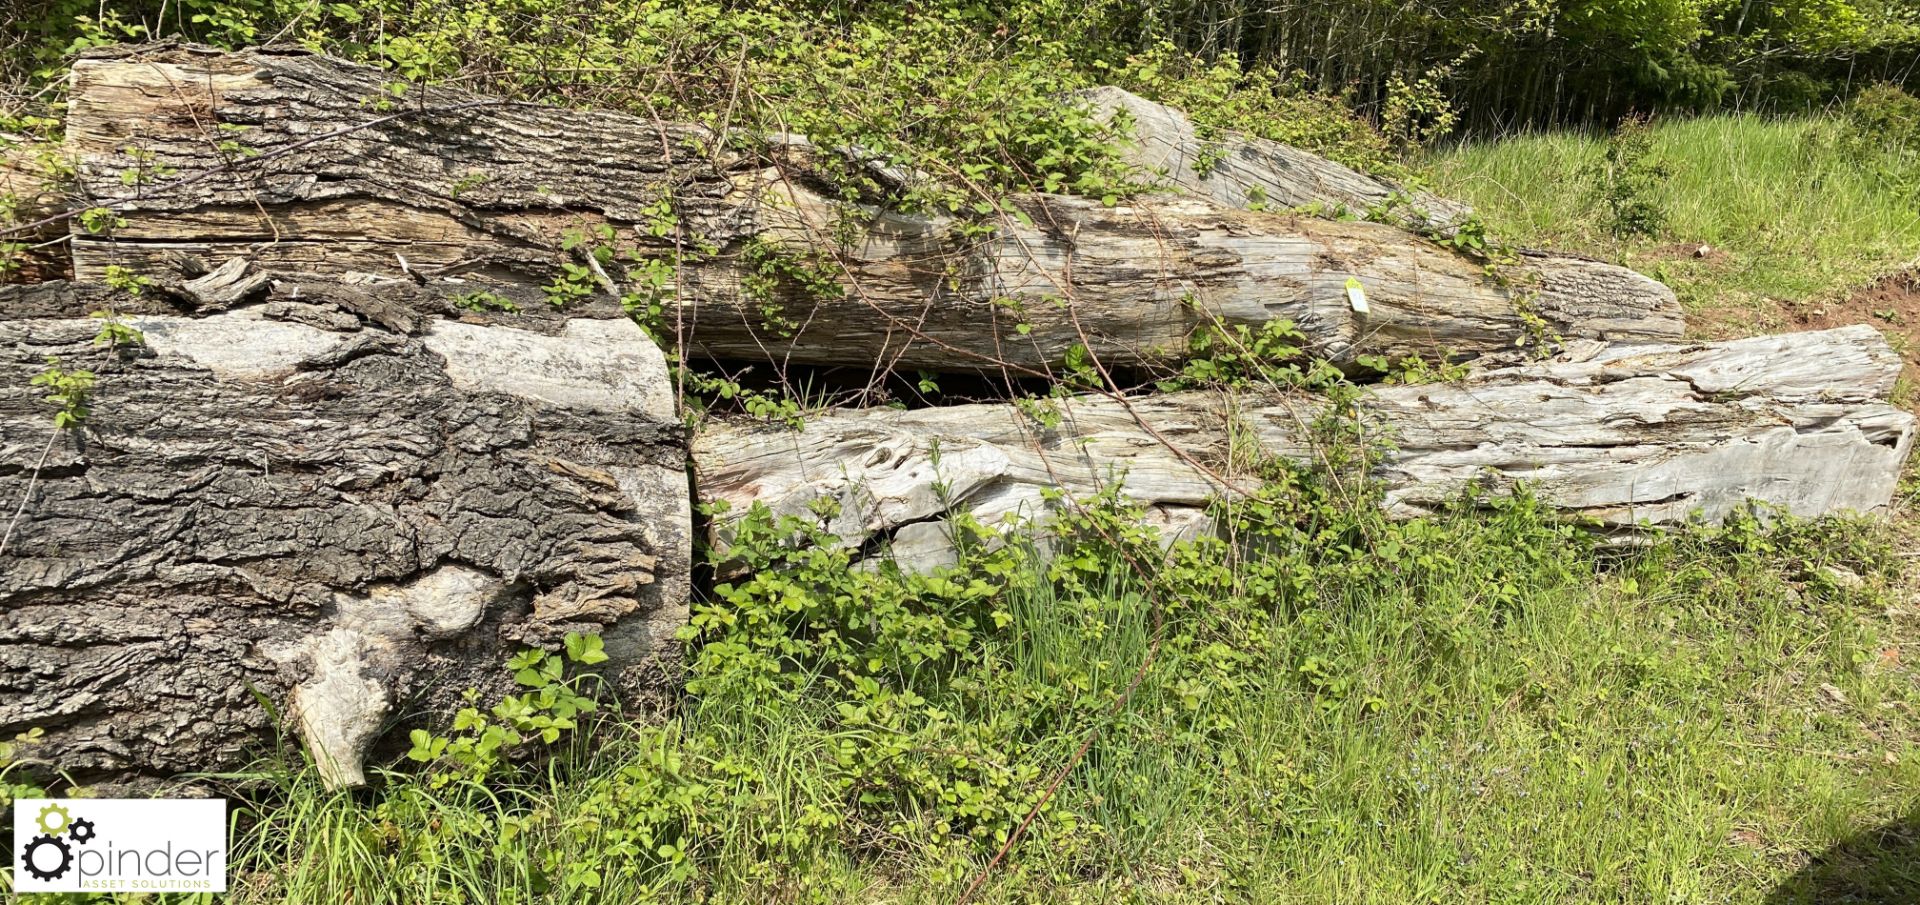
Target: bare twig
point(33, 477)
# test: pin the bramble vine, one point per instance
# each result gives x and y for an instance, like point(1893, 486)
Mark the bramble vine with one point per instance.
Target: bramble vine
point(70, 392)
point(550, 708)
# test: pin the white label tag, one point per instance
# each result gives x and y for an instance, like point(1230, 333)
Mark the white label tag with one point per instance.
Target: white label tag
point(120, 845)
point(1356, 295)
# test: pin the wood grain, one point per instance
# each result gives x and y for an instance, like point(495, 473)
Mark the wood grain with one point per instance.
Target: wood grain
point(463, 191)
point(1620, 435)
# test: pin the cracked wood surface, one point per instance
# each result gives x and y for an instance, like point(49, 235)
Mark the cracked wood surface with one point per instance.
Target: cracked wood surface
point(462, 192)
point(356, 521)
point(1619, 434)
point(28, 194)
point(1242, 171)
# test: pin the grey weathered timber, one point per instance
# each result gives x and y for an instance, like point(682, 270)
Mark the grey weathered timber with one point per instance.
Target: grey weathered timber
point(1243, 171)
point(305, 163)
point(354, 508)
point(1622, 435)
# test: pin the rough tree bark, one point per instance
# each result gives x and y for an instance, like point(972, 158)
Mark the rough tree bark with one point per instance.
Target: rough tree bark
point(1621, 435)
point(282, 165)
point(326, 494)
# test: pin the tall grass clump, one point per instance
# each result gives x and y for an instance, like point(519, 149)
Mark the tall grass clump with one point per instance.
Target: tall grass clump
point(1794, 207)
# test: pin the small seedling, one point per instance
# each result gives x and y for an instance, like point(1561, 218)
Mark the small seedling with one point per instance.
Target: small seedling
point(69, 391)
point(114, 332)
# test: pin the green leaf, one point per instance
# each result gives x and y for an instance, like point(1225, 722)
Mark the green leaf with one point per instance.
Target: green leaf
point(425, 746)
point(586, 649)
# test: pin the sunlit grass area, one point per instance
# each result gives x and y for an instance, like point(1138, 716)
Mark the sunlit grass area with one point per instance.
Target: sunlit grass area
point(1791, 211)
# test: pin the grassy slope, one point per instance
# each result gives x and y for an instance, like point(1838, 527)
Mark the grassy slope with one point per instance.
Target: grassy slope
point(1482, 712)
point(1796, 220)
point(1795, 225)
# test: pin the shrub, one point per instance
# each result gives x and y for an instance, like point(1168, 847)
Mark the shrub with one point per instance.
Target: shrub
point(1629, 179)
point(1419, 113)
point(1880, 127)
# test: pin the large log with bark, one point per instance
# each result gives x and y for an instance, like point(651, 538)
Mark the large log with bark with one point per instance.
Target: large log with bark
point(331, 496)
point(306, 163)
point(1620, 435)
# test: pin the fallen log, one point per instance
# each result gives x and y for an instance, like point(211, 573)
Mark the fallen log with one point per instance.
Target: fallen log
point(1243, 171)
point(295, 499)
point(1619, 435)
point(305, 163)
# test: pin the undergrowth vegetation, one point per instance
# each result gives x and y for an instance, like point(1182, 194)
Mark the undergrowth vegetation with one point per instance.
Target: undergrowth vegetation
point(1506, 61)
point(969, 92)
point(1320, 705)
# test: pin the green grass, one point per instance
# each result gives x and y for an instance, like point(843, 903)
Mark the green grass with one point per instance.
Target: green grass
point(1471, 708)
point(1797, 216)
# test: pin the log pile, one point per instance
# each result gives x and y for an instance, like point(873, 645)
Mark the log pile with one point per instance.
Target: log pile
point(357, 456)
point(459, 187)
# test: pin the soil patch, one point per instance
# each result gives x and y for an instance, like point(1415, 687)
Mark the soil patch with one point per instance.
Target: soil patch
point(1692, 251)
point(1891, 304)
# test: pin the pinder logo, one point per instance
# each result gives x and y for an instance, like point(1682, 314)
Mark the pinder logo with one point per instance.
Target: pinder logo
point(99, 844)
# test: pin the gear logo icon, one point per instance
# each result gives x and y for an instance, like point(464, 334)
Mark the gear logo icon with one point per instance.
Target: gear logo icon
point(51, 826)
point(49, 857)
point(32, 857)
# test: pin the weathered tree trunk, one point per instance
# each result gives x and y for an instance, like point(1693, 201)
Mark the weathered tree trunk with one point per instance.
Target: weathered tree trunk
point(1622, 435)
point(297, 497)
point(1242, 171)
point(28, 195)
point(304, 163)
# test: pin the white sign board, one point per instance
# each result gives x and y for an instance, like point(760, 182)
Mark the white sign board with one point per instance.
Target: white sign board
point(120, 845)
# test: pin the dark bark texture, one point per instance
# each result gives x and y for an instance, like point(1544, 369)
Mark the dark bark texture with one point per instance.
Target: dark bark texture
point(290, 499)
